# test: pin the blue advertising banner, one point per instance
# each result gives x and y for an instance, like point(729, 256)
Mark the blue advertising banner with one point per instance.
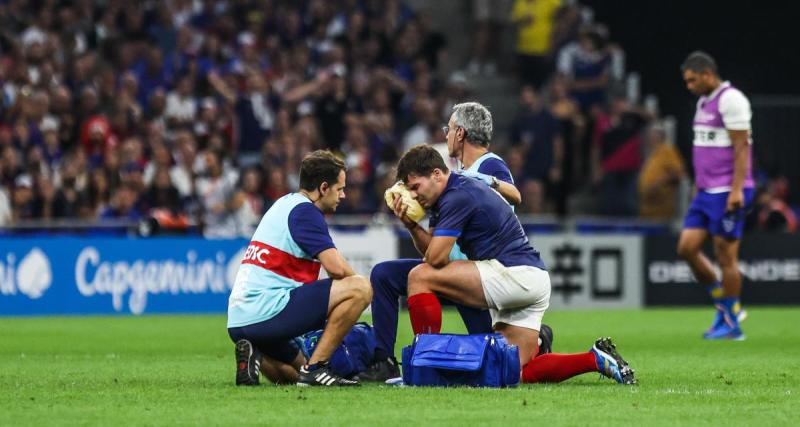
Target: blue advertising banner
point(71, 275)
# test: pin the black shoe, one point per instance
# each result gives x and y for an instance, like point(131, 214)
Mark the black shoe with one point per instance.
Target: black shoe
point(322, 375)
point(381, 370)
point(545, 340)
point(248, 362)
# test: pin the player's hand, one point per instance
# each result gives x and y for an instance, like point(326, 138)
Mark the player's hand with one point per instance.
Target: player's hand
point(487, 179)
point(399, 208)
point(735, 201)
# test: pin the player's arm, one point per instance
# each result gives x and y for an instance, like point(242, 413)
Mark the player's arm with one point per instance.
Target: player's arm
point(509, 192)
point(741, 144)
point(419, 234)
point(438, 253)
point(455, 212)
point(736, 114)
point(495, 174)
point(334, 264)
point(310, 231)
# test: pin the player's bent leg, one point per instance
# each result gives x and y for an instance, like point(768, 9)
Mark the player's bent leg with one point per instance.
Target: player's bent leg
point(458, 281)
point(603, 357)
point(389, 280)
point(348, 299)
point(526, 339)
point(280, 372)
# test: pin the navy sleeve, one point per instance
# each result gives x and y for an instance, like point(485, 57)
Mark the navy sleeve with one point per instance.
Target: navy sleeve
point(309, 230)
point(496, 168)
point(455, 210)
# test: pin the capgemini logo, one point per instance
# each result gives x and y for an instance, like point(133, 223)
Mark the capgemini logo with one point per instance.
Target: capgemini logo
point(33, 274)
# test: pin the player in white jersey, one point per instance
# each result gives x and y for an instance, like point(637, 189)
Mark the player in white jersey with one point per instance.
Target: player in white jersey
point(723, 178)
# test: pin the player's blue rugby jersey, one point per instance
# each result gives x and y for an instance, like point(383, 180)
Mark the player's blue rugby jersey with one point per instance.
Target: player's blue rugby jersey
point(483, 222)
point(489, 164)
point(281, 256)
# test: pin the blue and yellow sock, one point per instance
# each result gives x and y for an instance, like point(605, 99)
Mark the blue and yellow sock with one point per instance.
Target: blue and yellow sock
point(716, 292)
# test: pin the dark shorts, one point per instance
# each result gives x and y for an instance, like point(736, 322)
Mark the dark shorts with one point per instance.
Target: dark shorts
point(306, 311)
point(707, 211)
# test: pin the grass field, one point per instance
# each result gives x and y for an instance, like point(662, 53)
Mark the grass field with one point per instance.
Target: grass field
point(169, 370)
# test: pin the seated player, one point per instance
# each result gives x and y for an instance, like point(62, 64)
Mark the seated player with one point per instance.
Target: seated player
point(277, 297)
point(502, 273)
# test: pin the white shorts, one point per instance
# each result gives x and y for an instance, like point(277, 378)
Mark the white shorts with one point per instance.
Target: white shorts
point(516, 295)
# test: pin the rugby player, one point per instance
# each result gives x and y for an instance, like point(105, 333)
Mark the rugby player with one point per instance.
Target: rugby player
point(722, 157)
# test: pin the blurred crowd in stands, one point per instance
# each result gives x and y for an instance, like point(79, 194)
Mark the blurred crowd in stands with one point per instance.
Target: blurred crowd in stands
point(199, 111)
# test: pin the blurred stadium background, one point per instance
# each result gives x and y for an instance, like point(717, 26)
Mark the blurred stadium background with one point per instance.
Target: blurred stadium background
point(140, 142)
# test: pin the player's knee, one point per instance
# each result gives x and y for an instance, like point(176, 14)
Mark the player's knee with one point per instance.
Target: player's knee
point(379, 273)
point(686, 250)
point(417, 278)
point(360, 288)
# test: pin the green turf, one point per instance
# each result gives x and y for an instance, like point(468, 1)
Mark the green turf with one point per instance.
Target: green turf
point(170, 370)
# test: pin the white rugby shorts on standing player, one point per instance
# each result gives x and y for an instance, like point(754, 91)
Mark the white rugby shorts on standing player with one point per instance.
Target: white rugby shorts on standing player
point(516, 295)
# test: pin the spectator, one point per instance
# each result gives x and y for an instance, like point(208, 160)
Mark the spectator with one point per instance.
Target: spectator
point(123, 204)
point(774, 214)
point(616, 157)
point(573, 128)
point(534, 21)
point(181, 105)
point(161, 194)
point(661, 175)
point(427, 126)
point(538, 135)
point(586, 65)
point(214, 191)
point(23, 199)
point(254, 113)
point(248, 204)
point(490, 17)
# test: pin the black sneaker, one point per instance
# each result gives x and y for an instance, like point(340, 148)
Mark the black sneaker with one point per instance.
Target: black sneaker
point(610, 363)
point(545, 340)
point(381, 370)
point(322, 375)
point(248, 362)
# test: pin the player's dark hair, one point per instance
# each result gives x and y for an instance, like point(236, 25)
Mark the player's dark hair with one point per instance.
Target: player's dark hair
point(318, 167)
point(699, 61)
point(420, 161)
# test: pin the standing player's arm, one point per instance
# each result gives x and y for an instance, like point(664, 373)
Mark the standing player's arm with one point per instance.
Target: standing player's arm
point(334, 264)
point(438, 253)
point(740, 140)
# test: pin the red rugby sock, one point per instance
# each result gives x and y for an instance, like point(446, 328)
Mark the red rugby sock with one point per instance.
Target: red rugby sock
point(554, 367)
point(426, 313)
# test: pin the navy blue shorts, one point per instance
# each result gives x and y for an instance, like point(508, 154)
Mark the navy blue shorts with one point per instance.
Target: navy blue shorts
point(707, 211)
point(306, 311)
